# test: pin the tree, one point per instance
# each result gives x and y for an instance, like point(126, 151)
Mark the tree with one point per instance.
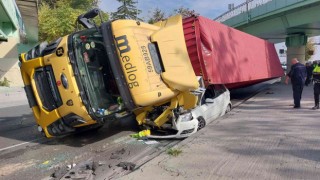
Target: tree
point(77, 4)
point(57, 17)
point(57, 22)
point(157, 15)
point(127, 10)
point(309, 49)
point(50, 3)
point(185, 12)
point(84, 4)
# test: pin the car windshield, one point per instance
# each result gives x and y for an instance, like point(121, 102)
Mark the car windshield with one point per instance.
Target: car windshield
point(95, 73)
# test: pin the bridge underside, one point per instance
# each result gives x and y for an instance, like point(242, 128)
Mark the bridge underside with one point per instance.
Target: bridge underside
point(15, 39)
point(282, 21)
point(276, 27)
point(29, 13)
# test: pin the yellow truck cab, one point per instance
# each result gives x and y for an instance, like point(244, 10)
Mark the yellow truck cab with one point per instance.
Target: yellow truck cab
point(99, 73)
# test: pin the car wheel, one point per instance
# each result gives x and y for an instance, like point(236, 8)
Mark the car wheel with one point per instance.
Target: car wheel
point(228, 108)
point(202, 122)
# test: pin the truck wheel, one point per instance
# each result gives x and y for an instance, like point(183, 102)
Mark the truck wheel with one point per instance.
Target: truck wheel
point(228, 108)
point(202, 123)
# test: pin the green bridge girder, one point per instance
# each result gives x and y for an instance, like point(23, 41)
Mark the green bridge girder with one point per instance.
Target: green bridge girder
point(9, 19)
point(18, 33)
point(280, 19)
point(19, 19)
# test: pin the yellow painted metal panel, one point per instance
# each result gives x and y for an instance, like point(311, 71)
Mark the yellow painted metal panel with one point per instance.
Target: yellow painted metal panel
point(178, 73)
point(145, 84)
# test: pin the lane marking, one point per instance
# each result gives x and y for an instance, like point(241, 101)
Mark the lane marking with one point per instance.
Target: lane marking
point(13, 146)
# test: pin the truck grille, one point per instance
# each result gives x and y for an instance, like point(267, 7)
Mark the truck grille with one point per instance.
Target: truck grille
point(47, 88)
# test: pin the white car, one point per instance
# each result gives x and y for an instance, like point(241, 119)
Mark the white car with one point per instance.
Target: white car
point(184, 126)
point(215, 102)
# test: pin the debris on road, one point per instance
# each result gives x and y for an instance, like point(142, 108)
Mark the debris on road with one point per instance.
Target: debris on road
point(59, 173)
point(45, 162)
point(141, 134)
point(117, 154)
point(84, 170)
point(70, 166)
point(127, 165)
point(100, 163)
point(151, 142)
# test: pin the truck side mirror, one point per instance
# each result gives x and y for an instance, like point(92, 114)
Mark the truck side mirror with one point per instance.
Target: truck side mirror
point(83, 19)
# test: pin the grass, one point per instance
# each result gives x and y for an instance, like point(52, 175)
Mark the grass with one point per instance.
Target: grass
point(5, 82)
point(174, 152)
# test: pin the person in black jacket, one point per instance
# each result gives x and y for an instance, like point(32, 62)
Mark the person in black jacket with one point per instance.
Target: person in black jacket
point(297, 74)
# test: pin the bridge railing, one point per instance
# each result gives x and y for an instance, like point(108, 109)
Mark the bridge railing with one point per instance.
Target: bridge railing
point(241, 8)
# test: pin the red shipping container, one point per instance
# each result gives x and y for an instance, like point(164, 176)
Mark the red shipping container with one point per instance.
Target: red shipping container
point(224, 55)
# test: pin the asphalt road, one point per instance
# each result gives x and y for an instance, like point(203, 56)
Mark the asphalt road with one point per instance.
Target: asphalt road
point(263, 138)
point(25, 154)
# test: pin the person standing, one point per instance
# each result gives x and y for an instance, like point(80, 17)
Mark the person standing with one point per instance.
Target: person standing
point(314, 64)
point(297, 74)
point(309, 73)
point(316, 86)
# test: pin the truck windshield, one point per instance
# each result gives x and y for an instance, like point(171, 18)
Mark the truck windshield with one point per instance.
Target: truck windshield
point(95, 73)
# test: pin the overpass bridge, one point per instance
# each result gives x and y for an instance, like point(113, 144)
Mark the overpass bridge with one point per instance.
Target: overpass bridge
point(289, 21)
point(18, 33)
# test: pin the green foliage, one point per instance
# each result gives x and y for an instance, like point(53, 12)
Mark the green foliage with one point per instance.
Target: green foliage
point(76, 4)
point(57, 22)
point(5, 82)
point(185, 12)
point(50, 3)
point(157, 15)
point(310, 48)
point(174, 152)
point(83, 4)
point(57, 18)
point(127, 10)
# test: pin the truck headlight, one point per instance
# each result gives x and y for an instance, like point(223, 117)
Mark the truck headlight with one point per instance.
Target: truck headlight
point(185, 117)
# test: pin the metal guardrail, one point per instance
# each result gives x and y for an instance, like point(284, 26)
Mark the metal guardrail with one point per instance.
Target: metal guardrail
point(241, 8)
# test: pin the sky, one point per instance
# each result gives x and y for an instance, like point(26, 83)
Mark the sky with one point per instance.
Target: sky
point(208, 8)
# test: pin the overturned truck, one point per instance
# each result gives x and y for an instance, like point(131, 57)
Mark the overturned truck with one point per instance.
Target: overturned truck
point(158, 73)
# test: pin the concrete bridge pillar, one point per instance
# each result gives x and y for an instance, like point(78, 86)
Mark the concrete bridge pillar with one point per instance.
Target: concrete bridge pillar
point(296, 48)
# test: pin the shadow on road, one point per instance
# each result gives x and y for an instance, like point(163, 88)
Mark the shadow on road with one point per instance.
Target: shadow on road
point(84, 138)
point(17, 123)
